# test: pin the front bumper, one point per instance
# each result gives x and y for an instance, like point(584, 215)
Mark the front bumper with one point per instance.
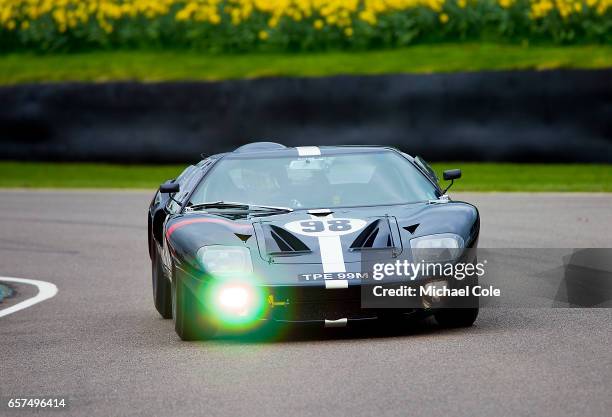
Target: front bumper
point(303, 304)
point(318, 305)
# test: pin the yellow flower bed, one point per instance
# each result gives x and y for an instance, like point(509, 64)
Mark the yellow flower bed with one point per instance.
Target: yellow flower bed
point(295, 24)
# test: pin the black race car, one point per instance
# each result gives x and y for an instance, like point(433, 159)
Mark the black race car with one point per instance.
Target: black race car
point(268, 232)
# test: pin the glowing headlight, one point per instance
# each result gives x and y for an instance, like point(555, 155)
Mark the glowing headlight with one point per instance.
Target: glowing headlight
point(236, 303)
point(223, 260)
point(235, 299)
point(442, 247)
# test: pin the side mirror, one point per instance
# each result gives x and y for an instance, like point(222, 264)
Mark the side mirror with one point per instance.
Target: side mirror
point(169, 188)
point(450, 175)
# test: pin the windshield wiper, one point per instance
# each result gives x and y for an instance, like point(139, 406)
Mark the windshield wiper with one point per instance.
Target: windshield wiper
point(236, 205)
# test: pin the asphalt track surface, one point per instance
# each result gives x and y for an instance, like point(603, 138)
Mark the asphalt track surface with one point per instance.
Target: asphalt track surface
point(100, 344)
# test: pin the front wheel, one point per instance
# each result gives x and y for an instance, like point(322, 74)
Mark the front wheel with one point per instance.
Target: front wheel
point(191, 321)
point(463, 316)
point(161, 287)
point(456, 317)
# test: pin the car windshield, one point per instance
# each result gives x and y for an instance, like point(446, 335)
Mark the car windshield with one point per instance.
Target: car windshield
point(358, 179)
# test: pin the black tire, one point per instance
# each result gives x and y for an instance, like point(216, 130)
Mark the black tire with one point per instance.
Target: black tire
point(456, 317)
point(161, 287)
point(190, 319)
point(466, 312)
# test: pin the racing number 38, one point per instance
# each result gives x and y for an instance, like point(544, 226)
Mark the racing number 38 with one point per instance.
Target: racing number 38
point(325, 227)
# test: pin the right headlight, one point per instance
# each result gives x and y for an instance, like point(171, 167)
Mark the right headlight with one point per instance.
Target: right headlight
point(439, 247)
point(440, 241)
point(224, 260)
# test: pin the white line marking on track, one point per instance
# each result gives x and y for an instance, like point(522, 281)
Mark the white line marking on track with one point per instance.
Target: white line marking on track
point(46, 290)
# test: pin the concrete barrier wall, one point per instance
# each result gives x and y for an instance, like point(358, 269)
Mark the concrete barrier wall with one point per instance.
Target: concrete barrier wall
point(550, 116)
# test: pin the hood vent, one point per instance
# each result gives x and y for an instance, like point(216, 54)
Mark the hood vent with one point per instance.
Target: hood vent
point(242, 237)
point(377, 235)
point(412, 228)
point(320, 212)
point(279, 241)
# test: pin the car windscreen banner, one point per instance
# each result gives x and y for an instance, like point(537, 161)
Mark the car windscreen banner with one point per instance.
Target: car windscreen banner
point(499, 277)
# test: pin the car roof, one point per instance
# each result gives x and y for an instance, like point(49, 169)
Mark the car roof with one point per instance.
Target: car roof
point(257, 150)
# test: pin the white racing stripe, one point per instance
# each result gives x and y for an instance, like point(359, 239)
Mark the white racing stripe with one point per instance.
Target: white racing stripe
point(332, 257)
point(336, 323)
point(46, 290)
point(330, 247)
point(308, 150)
point(335, 284)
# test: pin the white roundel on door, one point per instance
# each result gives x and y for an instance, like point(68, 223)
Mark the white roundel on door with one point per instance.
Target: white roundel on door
point(325, 227)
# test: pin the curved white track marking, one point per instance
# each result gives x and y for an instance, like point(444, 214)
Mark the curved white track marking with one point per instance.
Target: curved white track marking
point(46, 290)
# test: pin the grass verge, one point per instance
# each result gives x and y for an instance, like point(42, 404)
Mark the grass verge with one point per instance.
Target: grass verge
point(531, 177)
point(476, 176)
point(152, 66)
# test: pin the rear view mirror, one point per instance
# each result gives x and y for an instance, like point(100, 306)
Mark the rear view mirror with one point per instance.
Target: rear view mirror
point(169, 188)
point(451, 174)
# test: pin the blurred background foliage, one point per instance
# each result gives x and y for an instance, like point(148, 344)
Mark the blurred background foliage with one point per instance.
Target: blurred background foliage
point(295, 25)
